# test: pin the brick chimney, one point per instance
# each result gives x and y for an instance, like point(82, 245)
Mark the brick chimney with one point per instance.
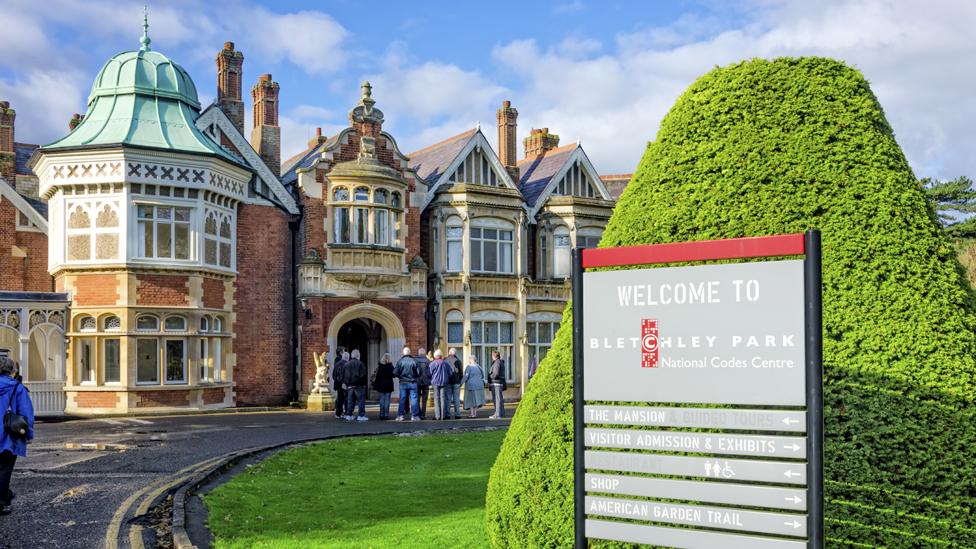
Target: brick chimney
point(507, 124)
point(318, 139)
point(76, 119)
point(8, 161)
point(539, 142)
point(266, 135)
point(230, 65)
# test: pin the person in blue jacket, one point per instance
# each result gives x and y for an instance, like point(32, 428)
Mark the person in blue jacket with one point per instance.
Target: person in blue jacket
point(14, 397)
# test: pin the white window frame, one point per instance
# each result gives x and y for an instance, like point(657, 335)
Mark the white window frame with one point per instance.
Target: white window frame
point(204, 358)
point(143, 224)
point(87, 363)
point(165, 365)
point(562, 246)
point(156, 368)
point(103, 359)
point(482, 348)
point(220, 217)
point(454, 232)
point(504, 248)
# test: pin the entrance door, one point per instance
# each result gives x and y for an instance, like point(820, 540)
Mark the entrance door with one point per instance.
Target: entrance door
point(369, 337)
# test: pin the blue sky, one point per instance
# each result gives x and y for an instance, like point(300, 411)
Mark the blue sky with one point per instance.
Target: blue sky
point(603, 72)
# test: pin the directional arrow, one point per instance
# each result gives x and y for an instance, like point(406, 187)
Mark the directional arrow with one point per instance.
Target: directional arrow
point(794, 524)
point(794, 447)
point(790, 421)
point(794, 499)
point(790, 473)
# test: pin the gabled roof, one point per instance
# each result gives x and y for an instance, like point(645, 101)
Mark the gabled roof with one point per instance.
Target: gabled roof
point(35, 210)
point(212, 115)
point(22, 153)
point(536, 173)
point(302, 160)
point(431, 162)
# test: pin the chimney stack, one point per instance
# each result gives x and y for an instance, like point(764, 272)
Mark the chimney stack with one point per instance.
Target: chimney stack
point(539, 142)
point(76, 119)
point(507, 117)
point(266, 135)
point(8, 161)
point(318, 139)
point(230, 64)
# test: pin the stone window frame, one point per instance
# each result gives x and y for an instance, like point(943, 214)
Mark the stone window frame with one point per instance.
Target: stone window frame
point(562, 246)
point(349, 208)
point(535, 343)
point(454, 238)
point(181, 318)
point(478, 241)
point(481, 347)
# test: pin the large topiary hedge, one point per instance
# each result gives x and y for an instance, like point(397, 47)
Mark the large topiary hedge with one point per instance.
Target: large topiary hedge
point(766, 147)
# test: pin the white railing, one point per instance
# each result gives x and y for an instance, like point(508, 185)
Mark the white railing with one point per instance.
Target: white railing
point(47, 396)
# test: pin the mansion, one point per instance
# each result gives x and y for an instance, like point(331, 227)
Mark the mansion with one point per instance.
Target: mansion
point(156, 258)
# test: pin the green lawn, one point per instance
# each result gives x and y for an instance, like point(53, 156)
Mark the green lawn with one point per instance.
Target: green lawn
point(382, 491)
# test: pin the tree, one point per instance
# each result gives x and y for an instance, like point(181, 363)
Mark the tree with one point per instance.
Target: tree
point(952, 201)
point(770, 147)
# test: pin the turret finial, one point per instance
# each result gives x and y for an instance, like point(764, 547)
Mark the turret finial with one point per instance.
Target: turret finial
point(367, 89)
point(145, 41)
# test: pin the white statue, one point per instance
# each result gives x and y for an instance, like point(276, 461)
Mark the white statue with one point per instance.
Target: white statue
point(321, 383)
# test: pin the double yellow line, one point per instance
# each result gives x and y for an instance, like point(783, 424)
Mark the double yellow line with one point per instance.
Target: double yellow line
point(149, 494)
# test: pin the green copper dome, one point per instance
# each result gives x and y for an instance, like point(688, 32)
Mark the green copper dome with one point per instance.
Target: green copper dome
point(143, 99)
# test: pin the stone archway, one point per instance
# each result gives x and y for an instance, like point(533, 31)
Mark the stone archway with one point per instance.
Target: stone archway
point(394, 335)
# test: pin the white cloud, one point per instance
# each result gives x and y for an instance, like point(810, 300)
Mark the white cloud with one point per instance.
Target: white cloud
point(44, 101)
point(310, 39)
point(575, 6)
point(916, 55)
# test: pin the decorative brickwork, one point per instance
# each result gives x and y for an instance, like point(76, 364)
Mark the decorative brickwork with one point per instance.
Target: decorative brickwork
point(230, 65)
point(96, 289)
point(159, 399)
point(266, 135)
point(213, 293)
point(264, 298)
point(507, 117)
point(539, 142)
point(162, 290)
point(97, 399)
point(8, 162)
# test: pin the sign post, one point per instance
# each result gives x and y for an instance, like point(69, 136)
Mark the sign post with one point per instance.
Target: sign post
point(697, 383)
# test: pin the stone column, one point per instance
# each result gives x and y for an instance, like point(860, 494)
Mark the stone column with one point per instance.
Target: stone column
point(465, 278)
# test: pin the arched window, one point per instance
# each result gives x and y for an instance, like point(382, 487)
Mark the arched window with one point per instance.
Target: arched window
point(204, 324)
point(340, 194)
point(362, 194)
point(380, 196)
point(147, 323)
point(111, 323)
point(218, 324)
point(395, 201)
point(87, 324)
point(175, 324)
point(455, 328)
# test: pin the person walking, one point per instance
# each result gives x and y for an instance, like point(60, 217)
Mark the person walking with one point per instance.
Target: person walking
point(498, 385)
point(383, 383)
point(338, 383)
point(457, 372)
point(474, 387)
point(423, 380)
point(16, 399)
point(406, 372)
point(355, 376)
point(440, 381)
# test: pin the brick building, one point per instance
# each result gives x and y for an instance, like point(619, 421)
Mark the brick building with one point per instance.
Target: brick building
point(204, 272)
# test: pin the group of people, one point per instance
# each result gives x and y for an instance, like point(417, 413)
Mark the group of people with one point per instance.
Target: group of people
point(419, 376)
point(15, 400)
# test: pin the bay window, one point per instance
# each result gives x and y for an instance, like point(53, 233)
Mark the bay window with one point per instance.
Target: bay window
point(360, 233)
point(164, 231)
point(493, 335)
point(360, 220)
point(341, 229)
point(539, 336)
point(175, 361)
point(455, 248)
point(218, 239)
point(147, 361)
point(561, 247)
point(491, 250)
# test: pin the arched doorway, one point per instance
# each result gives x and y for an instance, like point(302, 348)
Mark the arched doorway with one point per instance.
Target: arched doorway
point(368, 336)
point(372, 329)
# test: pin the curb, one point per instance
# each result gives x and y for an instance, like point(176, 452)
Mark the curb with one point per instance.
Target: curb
point(180, 536)
point(168, 413)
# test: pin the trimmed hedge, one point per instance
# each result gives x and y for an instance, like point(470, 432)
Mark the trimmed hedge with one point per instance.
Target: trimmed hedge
point(767, 147)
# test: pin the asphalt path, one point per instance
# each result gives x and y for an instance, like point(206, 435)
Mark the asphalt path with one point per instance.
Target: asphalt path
point(82, 481)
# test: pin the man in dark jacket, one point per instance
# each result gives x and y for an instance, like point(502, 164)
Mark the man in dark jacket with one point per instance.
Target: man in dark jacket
point(406, 371)
point(457, 372)
point(497, 378)
point(338, 382)
point(355, 379)
point(423, 380)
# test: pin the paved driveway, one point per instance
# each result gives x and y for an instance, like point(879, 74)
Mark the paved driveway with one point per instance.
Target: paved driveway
point(84, 478)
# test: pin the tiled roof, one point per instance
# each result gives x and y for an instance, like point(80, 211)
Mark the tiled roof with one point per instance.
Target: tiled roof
point(430, 162)
point(22, 153)
point(616, 183)
point(535, 173)
point(303, 159)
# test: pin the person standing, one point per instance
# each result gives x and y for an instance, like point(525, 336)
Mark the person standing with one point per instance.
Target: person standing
point(338, 383)
point(474, 387)
point(498, 385)
point(355, 377)
point(423, 380)
point(383, 383)
point(440, 381)
point(454, 396)
point(406, 372)
point(15, 398)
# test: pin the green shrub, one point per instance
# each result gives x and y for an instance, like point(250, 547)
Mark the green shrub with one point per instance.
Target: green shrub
point(766, 147)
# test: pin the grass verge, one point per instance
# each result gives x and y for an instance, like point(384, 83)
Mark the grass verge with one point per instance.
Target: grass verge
point(382, 491)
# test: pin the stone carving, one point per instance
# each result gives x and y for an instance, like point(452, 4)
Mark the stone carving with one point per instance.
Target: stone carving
point(36, 317)
point(107, 217)
point(79, 219)
point(79, 247)
point(106, 246)
point(367, 148)
point(323, 377)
